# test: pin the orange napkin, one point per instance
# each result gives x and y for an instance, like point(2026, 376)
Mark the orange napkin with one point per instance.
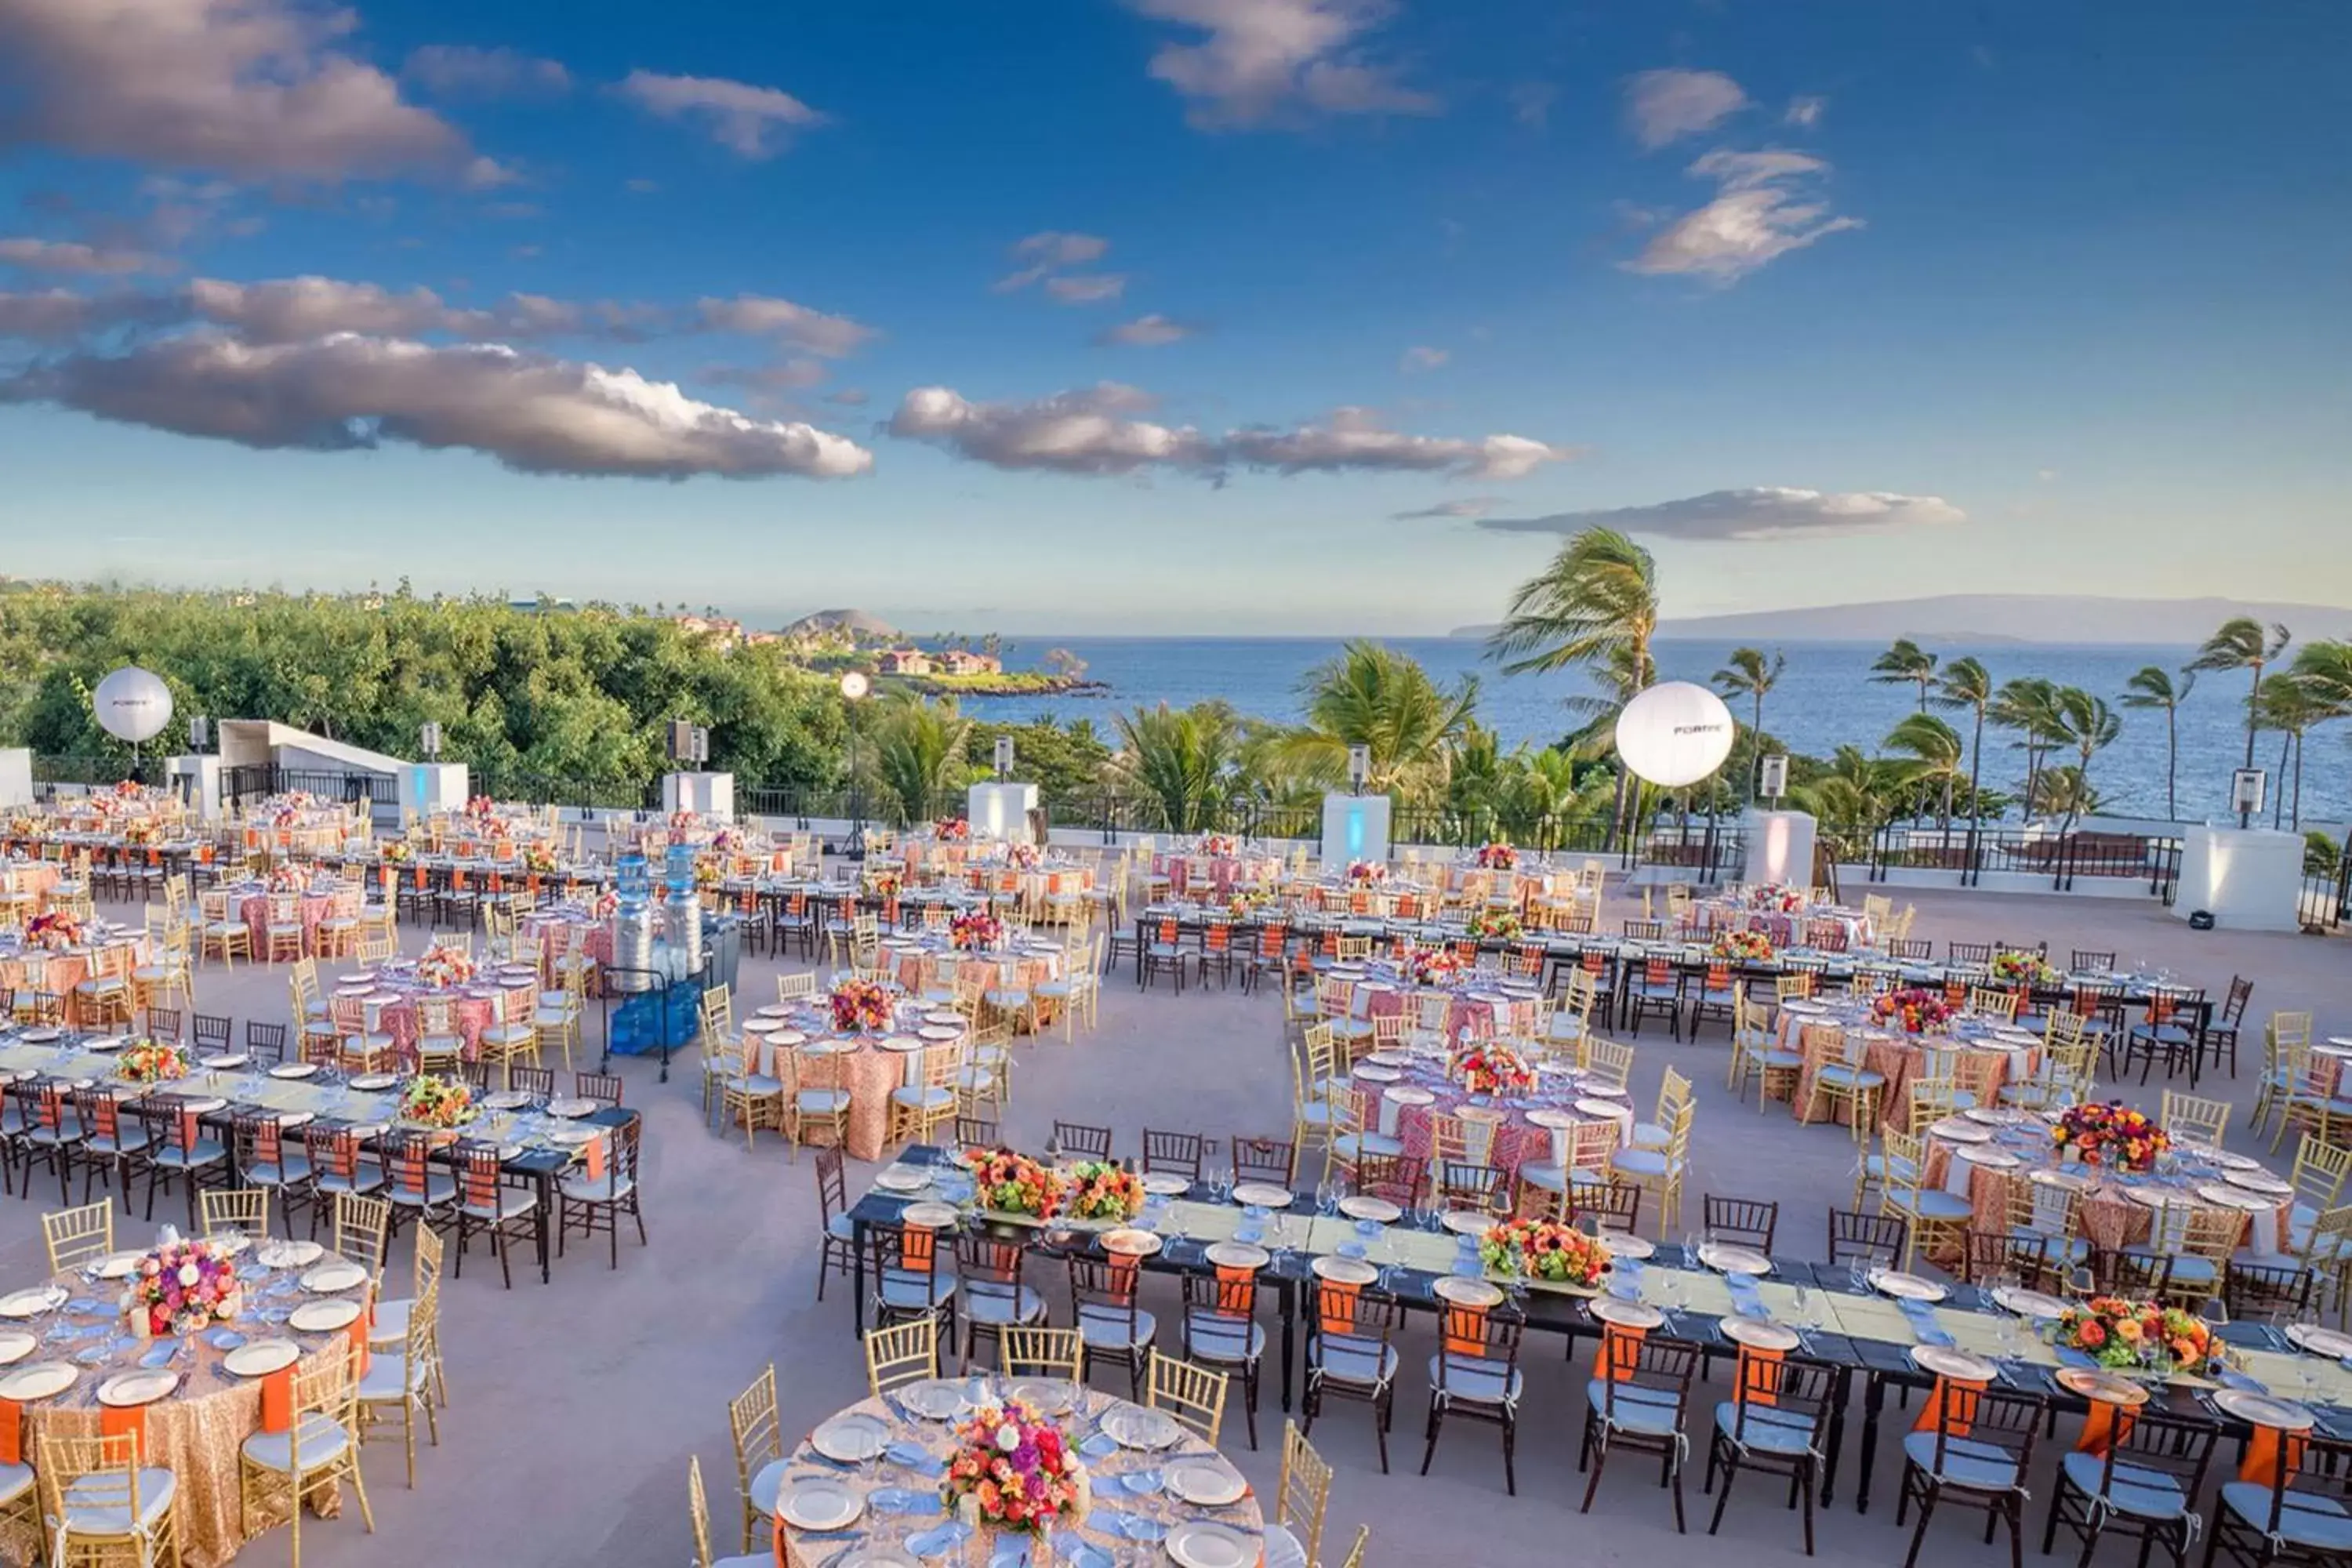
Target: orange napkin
point(2105, 1424)
point(114, 1421)
point(359, 1334)
point(1466, 1330)
point(187, 1130)
point(1237, 1290)
point(595, 1156)
point(1621, 1350)
point(1961, 1396)
point(12, 1432)
point(482, 1186)
point(2260, 1465)
point(1759, 1376)
point(277, 1400)
point(782, 1560)
point(1338, 1306)
point(1123, 1270)
point(918, 1249)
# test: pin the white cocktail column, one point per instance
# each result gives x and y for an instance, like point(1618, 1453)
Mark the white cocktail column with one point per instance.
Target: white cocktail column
point(1355, 827)
point(197, 782)
point(1780, 848)
point(705, 794)
point(2247, 878)
point(429, 787)
point(1001, 811)
point(15, 775)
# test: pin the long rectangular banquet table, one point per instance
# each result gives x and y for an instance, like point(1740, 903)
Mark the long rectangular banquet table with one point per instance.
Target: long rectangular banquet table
point(67, 1062)
point(1847, 1325)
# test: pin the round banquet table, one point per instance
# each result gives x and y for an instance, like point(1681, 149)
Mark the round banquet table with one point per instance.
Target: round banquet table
point(253, 909)
point(553, 928)
point(390, 1002)
point(1482, 1004)
point(194, 1432)
point(858, 1063)
point(56, 971)
point(1112, 1508)
point(914, 961)
point(1813, 1034)
point(1536, 1126)
point(1223, 873)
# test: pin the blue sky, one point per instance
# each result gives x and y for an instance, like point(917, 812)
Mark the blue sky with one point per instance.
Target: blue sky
point(1828, 301)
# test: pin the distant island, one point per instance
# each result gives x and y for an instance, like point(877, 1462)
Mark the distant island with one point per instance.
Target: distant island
point(1981, 618)
point(941, 665)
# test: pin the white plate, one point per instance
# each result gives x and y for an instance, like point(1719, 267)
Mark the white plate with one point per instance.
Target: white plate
point(1344, 1270)
point(294, 1070)
point(937, 1399)
point(2149, 1197)
point(224, 1063)
point(1167, 1184)
point(1265, 1194)
point(1236, 1255)
point(1405, 1094)
point(570, 1109)
point(16, 1344)
point(31, 1303)
point(1628, 1245)
point(850, 1438)
point(1946, 1362)
point(42, 1380)
point(2230, 1197)
point(900, 1179)
point(1960, 1133)
point(261, 1357)
point(1205, 1543)
point(1466, 1293)
point(2259, 1182)
point(1046, 1395)
point(128, 1390)
point(371, 1082)
point(203, 1106)
point(930, 1216)
point(1371, 1074)
point(506, 1099)
point(2260, 1410)
point(1464, 1222)
point(1625, 1314)
point(2320, 1342)
point(291, 1254)
point(117, 1265)
point(1602, 1109)
point(1905, 1287)
point(572, 1137)
point(1725, 1259)
point(1605, 1091)
point(322, 1317)
point(1984, 1154)
point(819, 1502)
point(1758, 1333)
point(1365, 1207)
point(1555, 1121)
point(1133, 1426)
point(902, 1044)
point(2227, 1161)
point(1204, 1483)
point(2030, 1304)
point(1128, 1242)
point(340, 1275)
point(41, 1036)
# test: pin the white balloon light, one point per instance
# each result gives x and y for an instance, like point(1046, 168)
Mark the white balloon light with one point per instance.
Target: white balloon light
point(132, 704)
point(1675, 733)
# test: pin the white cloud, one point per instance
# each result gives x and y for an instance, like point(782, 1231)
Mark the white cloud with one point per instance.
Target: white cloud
point(68, 256)
point(251, 88)
point(1150, 331)
point(1531, 104)
point(1086, 288)
point(760, 316)
point(1043, 255)
point(287, 310)
point(1094, 431)
point(1265, 60)
point(1470, 507)
point(457, 69)
point(850, 397)
point(1420, 357)
point(1661, 105)
point(532, 413)
point(756, 121)
point(1762, 511)
point(1805, 109)
point(1762, 212)
point(60, 315)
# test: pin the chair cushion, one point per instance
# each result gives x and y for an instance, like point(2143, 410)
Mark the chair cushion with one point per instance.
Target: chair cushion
point(1641, 1162)
point(822, 1101)
point(610, 1187)
point(904, 1292)
point(841, 1227)
point(1347, 1358)
point(2136, 1490)
point(316, 1440)
point(758, 1083)
point(14, 1482)
point(1283, 1549)
point(1770, 1430)
point(97, 1508)
point(1543, 1173)
point(923, 1098)
point(996, 1304)
point(1967, 1464)
point(206, 1152)
point(1229, 1340)
point(1846, 1077)
point(2307, 1520)
point(438, 1189)
point(512, 1204)
point(1476, 1380)
point(1650, 1412)
point(1932, 1204)
point(1105, 1327)
point(767, 1484)
point(1354, 1145)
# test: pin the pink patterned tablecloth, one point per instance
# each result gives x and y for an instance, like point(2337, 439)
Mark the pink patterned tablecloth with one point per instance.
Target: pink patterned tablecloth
point(1223, 872)
point(1898, 1058)
point(1482, 1012)
point(863, 1067)
point(254, 909)
point(393, 1009)
point(1514, 1140)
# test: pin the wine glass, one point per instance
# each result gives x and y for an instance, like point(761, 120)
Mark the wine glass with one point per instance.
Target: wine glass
point(1802, 1306)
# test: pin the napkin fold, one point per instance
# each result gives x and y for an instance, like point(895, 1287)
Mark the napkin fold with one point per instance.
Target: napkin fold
point(1745, 1298)
point(1921, 1316)
point(915, 1457)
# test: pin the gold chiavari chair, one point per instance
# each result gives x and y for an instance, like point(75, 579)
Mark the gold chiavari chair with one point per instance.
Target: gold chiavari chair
point(2286, 1063)
point(1193, 1395)
point(399, 1384)
point(699, 1512)
point(1296, 1534)
point(103, 1506)
point(319, 1447)
point(1661, 1169)
point(906, 1352)
point(2318, 1178)
point(241, 1209)
point(2190, 1118)
point(1036, 1351)
point(78, 1235)
point(1933, 1217)
point(1607, 1062)
point(752, 1422)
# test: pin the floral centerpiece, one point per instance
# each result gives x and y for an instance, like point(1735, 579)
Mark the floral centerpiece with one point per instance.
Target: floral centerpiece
point(1367, 871)
point(482, 807)
point(2112, 1134)
point(860, 1006)
point(443, 968)
point(151, 1061)
point(884, 884)
point(1023, 856)
point(53, 929)
point(182, 1287)
point(1544, 1249)
point(429, 1099)
point(1496, 856)
point(1014, 1471)
point(2138, 1336)
point(23, 824)
point(539, 858)
point(1493, 1068)
point(1242, 905)
point(397, 851)
point(1914, 1009)
point(1742, 946)
point(1099, 1189)
point(1221, 845)
point(1431, 965)
point(2023, 969)
point(1774, 899)
point(951, 830)
point(291, 877)
point(729, 840)
point(1502, 925)
point(975, 928)
point(1008, 1182)
point(142, 831)
point(707, 871)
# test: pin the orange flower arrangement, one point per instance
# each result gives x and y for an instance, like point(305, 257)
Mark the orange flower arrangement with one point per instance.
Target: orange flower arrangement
point(1099, 1189)
point(2110, 1134)
point(2138, 1335)
point(1011, 1182)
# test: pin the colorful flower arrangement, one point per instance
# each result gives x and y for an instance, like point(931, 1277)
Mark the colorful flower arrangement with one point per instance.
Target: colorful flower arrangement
point(2140, 1335)
point(1544, 1249)
point(53, 929)
point(1430, 966)
point(128, 789)
point(142, 831)
point(951, 830)
point(429, 1099)
point(1774, 899)
point(1009, 1182)
point(151, 1061)
point(1914, 1008)
point(1367, 871)
point(481, 806)
point(182, 1287)
point(397, 851)
point(1023, 856)
point(1742, 946)
point(2023, 969)
point(1502, 925)
point(539, 858)
point(860, 1006)
point(727, 840)
point(707, 871)
point(884, 884)
point(1097, 1189)
point(607, 904)
point(1493, 1068)
point(1221, 845)
point(2112, 1134)
point(292, 876)
point(1014, 1471)
point(975, 928)
point(1496, 856)
point(443, 968)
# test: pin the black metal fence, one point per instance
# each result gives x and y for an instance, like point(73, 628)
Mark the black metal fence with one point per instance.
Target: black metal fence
point(2065, 858)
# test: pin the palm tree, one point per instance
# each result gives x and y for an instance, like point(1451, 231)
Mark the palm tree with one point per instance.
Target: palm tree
point(1182, 759)
point(2063, 791)
point(1967, 684)
point(2153, 686)
point(1906, 663)
point(1595, 603)
point(2242, 644)
point(1935, 751)
point(917, 755)
point(1370, 696)
point(1747, 674)
point(2087, 724)
point(2285, 703)
point(2028, 704)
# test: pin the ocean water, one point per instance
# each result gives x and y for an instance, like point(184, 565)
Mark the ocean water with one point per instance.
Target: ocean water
point(1825, 699)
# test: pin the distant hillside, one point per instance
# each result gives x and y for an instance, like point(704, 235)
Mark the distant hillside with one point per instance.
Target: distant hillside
point(856, 622)
point(2003, 617)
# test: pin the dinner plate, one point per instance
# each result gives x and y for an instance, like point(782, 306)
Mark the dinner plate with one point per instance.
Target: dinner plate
point(1130, 1243)
point(294, 1070)
point(2102, 1386)
point(2259, 1182)
point(506, 1099)
point(851, 1439)
point(774, 1010)
point(1605, 1091)
point(901, 1179)
point(1555, 1121)
point(1133, 1426)
point(16, 1344)
point(1599, 1107)
point(1990, 1115)
point(31, 1303)
point(955, 1018)
point(1960, 1133)
point(902, 1044)
point(1758, 1334)
point(939, 1032)
point(42, 1380)
point(819, 1502)
point(224, 1063)
point(1046, 1395)
point(292, 1253)
point(2149, 1197)
point(1366, 1206)
point(41, 1036)
point(1946, 1362)
point(1466, 1293)
point(1344, 1270)
point(128, 1390)
point(570, 1109)
point(322, 1317)
point(1405, 1094)
point(572, 1137)
point(117, 1265)
point(2034, 1304)
point(882, 1554)
point(1206, 1543)
point(1802, 1007)
point(2067, 1181)
point(1985, 1154)
point(1905, 1287)
point(105, 1043)
point(2229, 1197)
point(374, 1082)
point(1371, 1074)
point(1264, 1195)
point(934, 1399)
point(1389, 1058)
point(929, 1215)
point(1467, 1222)
point(340, 1275)
point(1166, 1184)
point(1204, 1483)
point(1236, 1255)
point(1725, 1257)
point(1628, 1244)
point(260, 1358)
point(2311, 1337)
point(2261, 1410)
point(1625, 1314)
